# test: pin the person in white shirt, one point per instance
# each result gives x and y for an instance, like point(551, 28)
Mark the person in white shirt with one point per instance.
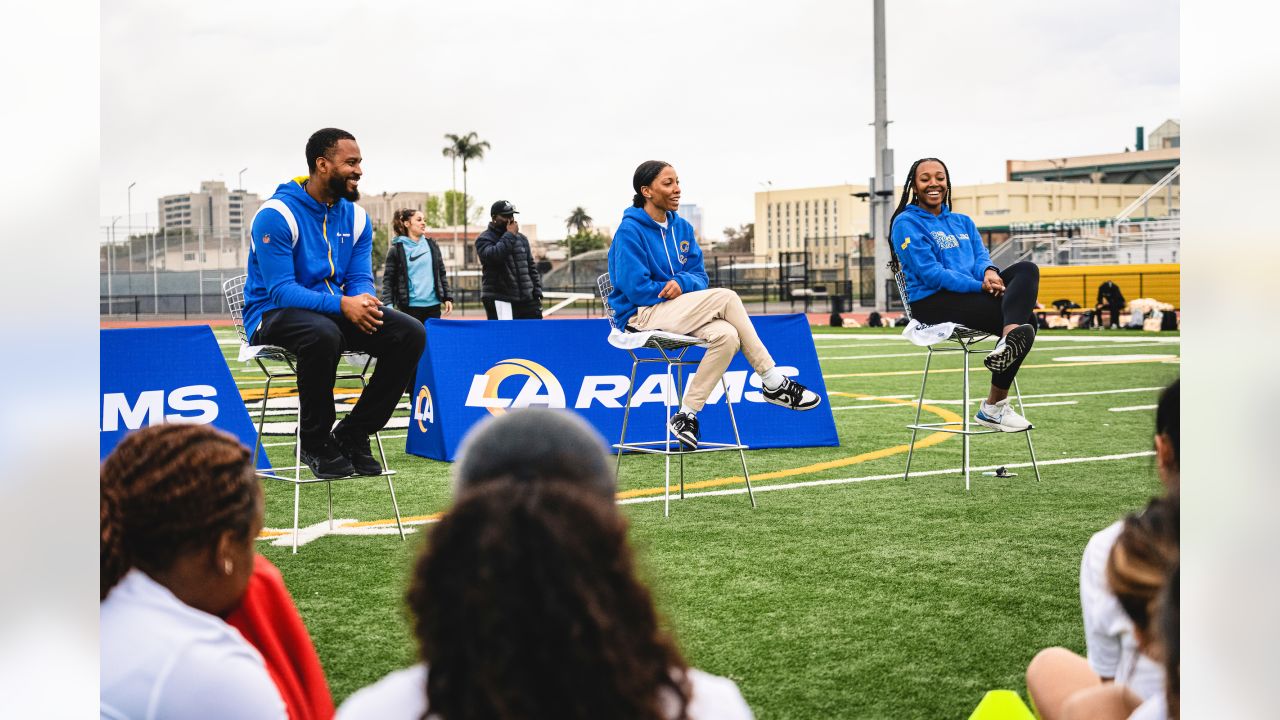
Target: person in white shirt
point(526, 601)
point(180, 509)
point(1061, 683)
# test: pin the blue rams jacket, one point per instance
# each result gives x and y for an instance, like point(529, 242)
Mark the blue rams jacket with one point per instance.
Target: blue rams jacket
point(942, 252)
point(306, 254)
point(644, 256)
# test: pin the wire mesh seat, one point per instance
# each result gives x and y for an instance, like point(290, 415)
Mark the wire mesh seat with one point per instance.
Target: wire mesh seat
point(962, 340)
point(233, 289)
point(670, 349)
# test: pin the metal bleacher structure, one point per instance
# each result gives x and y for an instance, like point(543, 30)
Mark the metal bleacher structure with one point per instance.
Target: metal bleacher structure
point(1120, 240)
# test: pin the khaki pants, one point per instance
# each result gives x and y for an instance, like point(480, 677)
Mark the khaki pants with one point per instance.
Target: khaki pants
point(718, 317)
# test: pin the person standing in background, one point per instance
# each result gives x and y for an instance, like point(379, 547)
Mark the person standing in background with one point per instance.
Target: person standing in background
point(508, 272)
point(414, 279)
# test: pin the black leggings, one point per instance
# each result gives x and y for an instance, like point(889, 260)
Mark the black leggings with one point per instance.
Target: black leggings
point(421, 314)
point(983, 311)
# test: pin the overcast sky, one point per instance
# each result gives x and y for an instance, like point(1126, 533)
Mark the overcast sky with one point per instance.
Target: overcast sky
point(573, 94)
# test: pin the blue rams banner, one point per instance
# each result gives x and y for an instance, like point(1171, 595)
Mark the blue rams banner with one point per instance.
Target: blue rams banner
point(472, 369)
point(168, 374)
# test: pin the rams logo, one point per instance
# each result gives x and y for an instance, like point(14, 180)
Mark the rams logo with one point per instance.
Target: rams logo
point(484, 388)
point(684, 246)
point(424, 409)
point(905, 244)
point(266, 238)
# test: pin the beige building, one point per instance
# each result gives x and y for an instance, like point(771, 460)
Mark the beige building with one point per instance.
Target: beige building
point(824, 221)
point(382, 206)
point(214, 210)
point(997, 206)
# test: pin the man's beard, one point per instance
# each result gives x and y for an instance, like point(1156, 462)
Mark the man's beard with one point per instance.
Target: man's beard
point(338, 186)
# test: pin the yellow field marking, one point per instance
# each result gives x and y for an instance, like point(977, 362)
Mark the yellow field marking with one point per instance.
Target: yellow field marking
point(403, 519)
point(1024, 367)
point(929, 440)
point(255, 394)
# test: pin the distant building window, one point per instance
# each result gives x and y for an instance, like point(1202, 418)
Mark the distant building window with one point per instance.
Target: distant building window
point(188, 256)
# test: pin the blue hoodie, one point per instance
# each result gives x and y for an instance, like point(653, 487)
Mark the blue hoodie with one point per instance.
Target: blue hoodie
point(939, 252)
point(331, 257)
point(644, 256)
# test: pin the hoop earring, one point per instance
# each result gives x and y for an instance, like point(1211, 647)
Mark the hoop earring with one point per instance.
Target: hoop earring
point(227, 566)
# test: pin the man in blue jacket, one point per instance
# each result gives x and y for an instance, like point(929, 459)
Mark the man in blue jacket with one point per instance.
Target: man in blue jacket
point(310, 290)
point(659, 283)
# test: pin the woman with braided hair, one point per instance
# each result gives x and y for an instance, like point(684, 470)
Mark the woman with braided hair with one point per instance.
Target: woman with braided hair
point(180, 509)
point(950, 278)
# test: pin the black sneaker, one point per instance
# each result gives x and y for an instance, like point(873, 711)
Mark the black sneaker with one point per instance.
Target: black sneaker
point(356, 450)
point(685, 427)
point(1011, 348)
point(791, 394)
point(326, 460)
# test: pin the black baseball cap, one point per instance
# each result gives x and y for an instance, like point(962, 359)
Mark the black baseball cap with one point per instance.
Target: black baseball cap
point(502, 207)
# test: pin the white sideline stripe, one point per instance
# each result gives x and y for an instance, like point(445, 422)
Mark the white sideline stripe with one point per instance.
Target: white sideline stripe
point(1034, 349)
point(1053, 338)
point(1048, 404)
point(1132, 407)
point(320, 529)
point(847, 481)
point(941, 402)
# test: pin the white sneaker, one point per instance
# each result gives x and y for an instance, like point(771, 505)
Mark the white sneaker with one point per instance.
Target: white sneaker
point(1001, 417)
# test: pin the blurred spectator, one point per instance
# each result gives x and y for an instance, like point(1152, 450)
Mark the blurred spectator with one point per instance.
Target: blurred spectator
point(180, 510)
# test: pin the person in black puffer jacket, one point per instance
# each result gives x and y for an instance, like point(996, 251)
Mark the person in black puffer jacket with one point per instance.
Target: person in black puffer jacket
point(509, 272)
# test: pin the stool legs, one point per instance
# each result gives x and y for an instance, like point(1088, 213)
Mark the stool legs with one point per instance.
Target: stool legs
point(737, 440)
point(911, 449)
point(1035, 466)
point(964, 412)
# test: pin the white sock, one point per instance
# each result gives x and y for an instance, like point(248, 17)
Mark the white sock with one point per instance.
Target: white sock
point(771, 378)
point(990, 410)
point(688, 411)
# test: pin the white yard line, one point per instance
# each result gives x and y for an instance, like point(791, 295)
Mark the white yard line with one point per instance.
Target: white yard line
point(1049, 404)
point(1131, 408)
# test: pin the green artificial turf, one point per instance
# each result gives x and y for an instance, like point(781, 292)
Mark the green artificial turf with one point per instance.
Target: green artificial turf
point(882, 598)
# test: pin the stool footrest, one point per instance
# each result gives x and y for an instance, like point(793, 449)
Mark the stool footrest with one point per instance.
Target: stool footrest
point(664, 447)
point(956, 429)
point(274, 474)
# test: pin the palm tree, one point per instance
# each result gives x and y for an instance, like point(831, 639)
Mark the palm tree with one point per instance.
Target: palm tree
point(578, 221)
point(466, 147)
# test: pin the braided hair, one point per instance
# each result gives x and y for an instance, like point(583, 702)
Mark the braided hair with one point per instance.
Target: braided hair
point(168, 489)
point(909, 197)
point(527, 604)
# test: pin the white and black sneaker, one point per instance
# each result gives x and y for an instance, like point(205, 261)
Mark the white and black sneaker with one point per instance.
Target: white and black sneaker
point(791, 394)
point(685, 427)
point(1001, 417)
point(1011, 348)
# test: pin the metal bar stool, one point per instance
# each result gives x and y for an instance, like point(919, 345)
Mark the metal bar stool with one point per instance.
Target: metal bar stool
point(962, 340)
point(233, 289)
point(670, 349)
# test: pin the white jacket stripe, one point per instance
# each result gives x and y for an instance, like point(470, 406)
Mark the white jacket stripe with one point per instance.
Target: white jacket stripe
point(285, 212)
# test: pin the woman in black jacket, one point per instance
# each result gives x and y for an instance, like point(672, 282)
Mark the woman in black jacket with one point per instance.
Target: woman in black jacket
point(414, 279)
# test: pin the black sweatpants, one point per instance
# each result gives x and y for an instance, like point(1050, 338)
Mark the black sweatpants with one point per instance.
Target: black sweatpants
point(520, 309)
point(421, 314)
point(319, 341)
point(983, 311)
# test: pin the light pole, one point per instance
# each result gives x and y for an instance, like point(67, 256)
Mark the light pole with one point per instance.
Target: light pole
point(243, 232)
point(111, 255)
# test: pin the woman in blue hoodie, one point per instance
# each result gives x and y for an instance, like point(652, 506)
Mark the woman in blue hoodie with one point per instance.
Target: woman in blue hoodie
point(659, 283)
point(950, 278)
